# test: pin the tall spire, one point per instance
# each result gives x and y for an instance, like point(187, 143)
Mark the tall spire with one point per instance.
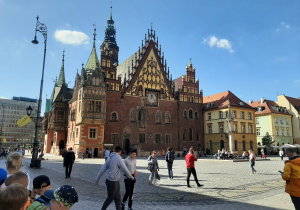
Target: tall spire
point(110, 31)
point(61, 79)
point(93, 60)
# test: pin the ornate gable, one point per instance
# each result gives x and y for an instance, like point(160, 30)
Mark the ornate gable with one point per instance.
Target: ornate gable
point(146, 71)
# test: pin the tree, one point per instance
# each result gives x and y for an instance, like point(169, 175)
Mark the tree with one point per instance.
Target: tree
point(267, 140)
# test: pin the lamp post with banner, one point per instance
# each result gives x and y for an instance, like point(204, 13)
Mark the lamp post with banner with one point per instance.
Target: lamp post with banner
point(35, 162)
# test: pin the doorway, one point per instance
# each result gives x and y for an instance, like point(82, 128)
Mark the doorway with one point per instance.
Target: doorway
point(126, 146)
point(95, 152)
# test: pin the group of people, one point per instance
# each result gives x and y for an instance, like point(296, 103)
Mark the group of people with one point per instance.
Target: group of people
point(15, 193)
point(115, 166)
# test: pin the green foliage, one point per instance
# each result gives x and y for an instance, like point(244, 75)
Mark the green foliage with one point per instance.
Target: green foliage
point(266, 140)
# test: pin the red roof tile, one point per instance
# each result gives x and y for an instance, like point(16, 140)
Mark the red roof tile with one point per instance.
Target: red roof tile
point(269, 107)
point(221, 100)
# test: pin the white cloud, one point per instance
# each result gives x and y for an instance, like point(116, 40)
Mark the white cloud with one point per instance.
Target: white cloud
point(285, 25)
point(71, 37)
point(213, 41)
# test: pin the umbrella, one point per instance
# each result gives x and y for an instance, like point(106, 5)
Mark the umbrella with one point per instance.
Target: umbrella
point(297, 145)
point(287, 146)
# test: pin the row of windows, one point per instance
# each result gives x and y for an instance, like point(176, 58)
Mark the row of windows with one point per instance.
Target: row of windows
point(221, 128)
point(191, 115)
point(134, 116)
point(222, 145)
point(221, 115)
point(278, 133)
point(281, 120)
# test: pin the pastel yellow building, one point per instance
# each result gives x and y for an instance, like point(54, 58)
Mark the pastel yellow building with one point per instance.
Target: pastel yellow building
point(228, 117)
point(293, 107)
point(272, 119)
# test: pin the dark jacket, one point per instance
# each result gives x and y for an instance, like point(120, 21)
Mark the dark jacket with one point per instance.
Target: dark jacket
point(69, 157)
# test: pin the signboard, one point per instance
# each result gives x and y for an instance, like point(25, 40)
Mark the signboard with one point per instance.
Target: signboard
point(24, 121)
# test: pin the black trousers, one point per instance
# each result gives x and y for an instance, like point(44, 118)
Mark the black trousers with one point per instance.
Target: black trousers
point(189, 172)
point(113, 194)
point(296, 202)
point(68, 169)
point(129, 186)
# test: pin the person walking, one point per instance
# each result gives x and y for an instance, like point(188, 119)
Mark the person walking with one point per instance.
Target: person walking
point(153, 168)
point(190, 159)
point(281, 153)
point(114, 165)
point(252, 159)
point(291, 175)
point(130, 163)
point(69, 158)
point(262, 153)
point(170, 159)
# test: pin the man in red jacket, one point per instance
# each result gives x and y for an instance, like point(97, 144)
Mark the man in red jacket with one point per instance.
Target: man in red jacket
point(190, 159)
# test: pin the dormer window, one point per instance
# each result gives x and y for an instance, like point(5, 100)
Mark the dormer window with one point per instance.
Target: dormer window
point(241, 103)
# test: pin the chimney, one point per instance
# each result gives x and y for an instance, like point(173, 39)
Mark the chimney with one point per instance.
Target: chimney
point(262, 100)
point(250, 101)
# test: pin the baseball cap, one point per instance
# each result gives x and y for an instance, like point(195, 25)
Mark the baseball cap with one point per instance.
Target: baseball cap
point(65, 194)
point(3, 175)
point(39, 180)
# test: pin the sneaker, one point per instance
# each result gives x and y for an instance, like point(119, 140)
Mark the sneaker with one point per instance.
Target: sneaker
point(189, 186)
point(200, 185)
point(169, 178)
point(122, 206)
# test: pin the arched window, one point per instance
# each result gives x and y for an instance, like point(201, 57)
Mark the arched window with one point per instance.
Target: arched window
point(184, 136)
point(196, 115)
point(244, 146)
point(191, 134)
point(158, 117)
point(185, 114)
point(191, 114)
point(162, 93)
point(132, 115)
point(235, 145)
point(114, 117)
point(168, 118)
point(140, 90)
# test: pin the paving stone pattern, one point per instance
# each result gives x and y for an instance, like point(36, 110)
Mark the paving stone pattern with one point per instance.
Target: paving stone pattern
point(227, 184)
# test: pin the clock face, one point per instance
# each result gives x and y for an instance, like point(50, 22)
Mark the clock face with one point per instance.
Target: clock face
point(151, 98)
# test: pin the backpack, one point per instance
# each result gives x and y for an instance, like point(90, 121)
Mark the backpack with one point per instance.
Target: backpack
point(171, 157)
point(38, 206)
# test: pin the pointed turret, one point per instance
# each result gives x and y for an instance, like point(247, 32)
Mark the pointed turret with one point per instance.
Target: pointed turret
point(61, 79)
point(93, 61)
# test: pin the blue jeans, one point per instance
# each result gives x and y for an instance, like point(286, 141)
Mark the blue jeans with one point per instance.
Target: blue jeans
point(170, 165)
point(252, 166)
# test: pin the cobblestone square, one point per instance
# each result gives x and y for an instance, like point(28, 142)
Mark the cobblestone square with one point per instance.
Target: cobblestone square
point(227, 184)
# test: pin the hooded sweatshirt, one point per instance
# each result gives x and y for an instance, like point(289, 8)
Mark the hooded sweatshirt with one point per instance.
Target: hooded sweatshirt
point(291, 175)
point(114, 165)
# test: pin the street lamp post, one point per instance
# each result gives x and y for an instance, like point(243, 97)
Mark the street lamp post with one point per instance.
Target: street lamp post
point(35, 162)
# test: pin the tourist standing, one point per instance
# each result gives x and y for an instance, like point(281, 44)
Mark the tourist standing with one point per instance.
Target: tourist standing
point(281, 153)
point(291, 175)
point(262, 153)
point(252, 159)
point(114, 165)
point(190, 165)
point(130, 163)
point(69, 159)
point(153, 168)
point(170, 157)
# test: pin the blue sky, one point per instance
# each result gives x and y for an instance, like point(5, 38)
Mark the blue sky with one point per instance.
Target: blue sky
point(251, 48)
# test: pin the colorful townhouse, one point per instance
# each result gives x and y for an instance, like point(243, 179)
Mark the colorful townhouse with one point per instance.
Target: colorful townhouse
point(272, 119)
point(228, 117)
point(293, 107)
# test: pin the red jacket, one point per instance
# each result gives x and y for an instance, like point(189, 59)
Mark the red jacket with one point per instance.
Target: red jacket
point(190, 159)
